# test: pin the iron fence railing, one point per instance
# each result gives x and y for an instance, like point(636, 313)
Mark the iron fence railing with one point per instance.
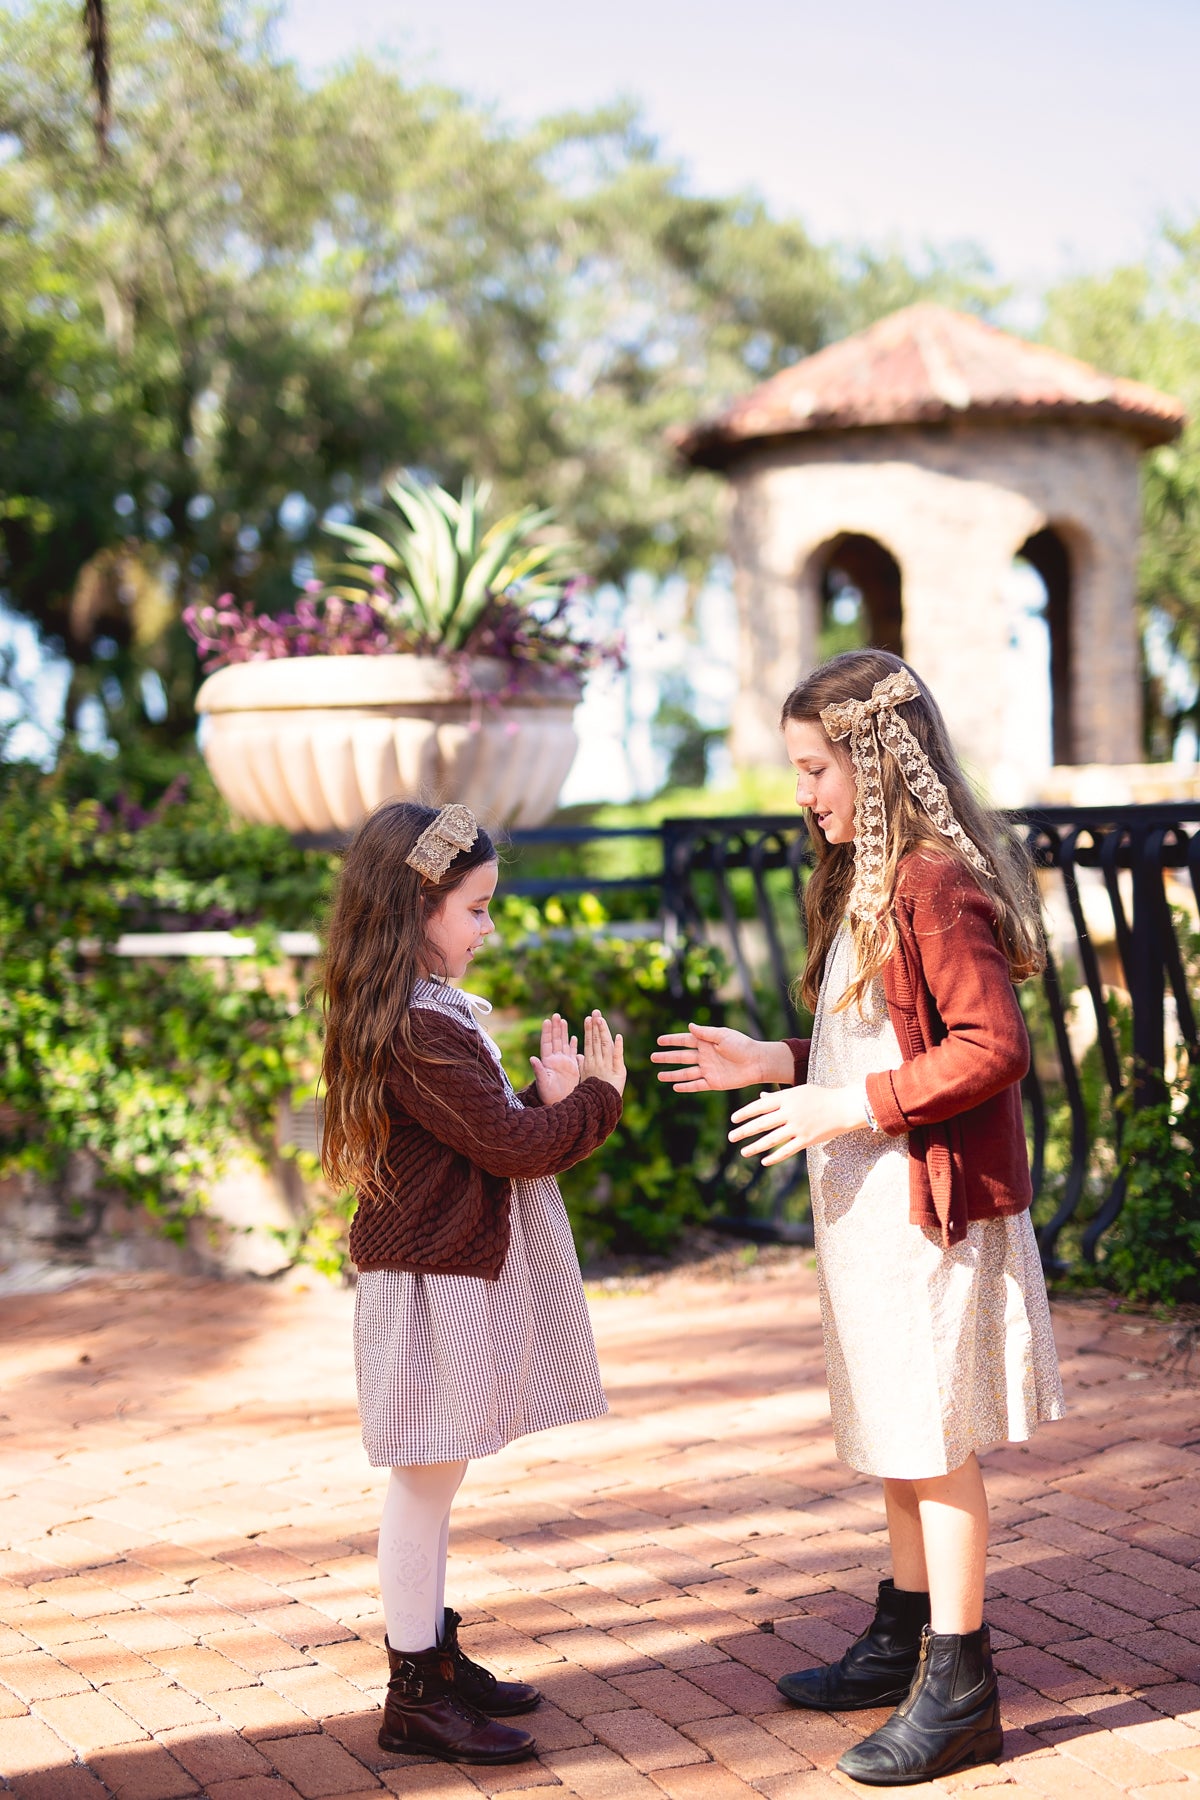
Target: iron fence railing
point(1120, 887)
point(1128, 878)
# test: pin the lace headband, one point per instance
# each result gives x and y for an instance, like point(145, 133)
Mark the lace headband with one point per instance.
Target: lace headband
point(453, 830)
point(868, 724)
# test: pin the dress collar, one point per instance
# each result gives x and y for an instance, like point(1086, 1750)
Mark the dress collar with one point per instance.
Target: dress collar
point(437, 988)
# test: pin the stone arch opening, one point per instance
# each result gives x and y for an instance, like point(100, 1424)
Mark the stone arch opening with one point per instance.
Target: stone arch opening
point(861, 593)
point(1048, 554)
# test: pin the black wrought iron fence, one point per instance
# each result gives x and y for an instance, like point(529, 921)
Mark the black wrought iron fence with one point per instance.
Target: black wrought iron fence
point(1128, 879)
point(1120, 887)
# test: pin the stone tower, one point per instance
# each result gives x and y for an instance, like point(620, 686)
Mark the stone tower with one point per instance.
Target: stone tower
point(920, 458)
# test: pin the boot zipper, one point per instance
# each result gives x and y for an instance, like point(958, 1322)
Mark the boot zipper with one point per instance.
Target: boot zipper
point(906, 1704)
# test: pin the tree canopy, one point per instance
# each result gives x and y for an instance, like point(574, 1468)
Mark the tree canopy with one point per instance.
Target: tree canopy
point(1144, 321)
point(266, 293)
point(259, 295)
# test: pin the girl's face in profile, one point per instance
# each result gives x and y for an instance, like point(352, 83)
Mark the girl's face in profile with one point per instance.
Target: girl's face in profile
point(824, 779)
point(462, 921)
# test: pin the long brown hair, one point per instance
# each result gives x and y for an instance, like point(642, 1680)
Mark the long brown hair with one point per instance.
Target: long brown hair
point(377, 950)
point(1009, 883)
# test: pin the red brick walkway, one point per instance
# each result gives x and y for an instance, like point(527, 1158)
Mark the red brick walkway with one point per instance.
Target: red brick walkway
point(187, 1600)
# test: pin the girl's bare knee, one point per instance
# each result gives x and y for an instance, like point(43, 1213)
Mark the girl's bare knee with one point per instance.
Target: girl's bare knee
point(967, 1475)
point(902, 1492)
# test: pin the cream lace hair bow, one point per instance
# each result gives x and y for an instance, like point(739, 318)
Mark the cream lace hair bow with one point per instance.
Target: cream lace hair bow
point(453, 830)
point(868, 724)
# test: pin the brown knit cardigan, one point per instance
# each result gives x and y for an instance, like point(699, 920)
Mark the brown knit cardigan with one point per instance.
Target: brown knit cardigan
point(957, 1094)
point(454, 1145)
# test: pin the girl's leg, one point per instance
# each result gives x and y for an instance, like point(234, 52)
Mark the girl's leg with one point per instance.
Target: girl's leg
point(878, 1668)
point(412, 1557)
point(951, 1717)
point(429, 1710)
point(938, 1529)
point(905, 1535)
point(443, 1554)
point(952, 1511)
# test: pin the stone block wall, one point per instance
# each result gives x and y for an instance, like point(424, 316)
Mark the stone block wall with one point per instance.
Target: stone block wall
point(953, 505)
point(247, 1227)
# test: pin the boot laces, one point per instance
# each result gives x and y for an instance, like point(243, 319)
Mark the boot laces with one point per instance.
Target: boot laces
point(483, 1677)
point(414, 1692)
point(470, 1714)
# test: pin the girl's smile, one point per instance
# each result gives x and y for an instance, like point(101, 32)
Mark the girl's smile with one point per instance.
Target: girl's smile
point(824, 779)
point(462, 921)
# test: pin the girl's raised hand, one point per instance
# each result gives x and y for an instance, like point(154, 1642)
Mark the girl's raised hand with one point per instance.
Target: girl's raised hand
point(707, 1057)
point(559, 1067)
point(784, 1123)
point(603, 1054)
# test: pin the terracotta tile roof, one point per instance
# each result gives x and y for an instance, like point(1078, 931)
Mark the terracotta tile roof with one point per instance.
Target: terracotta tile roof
point(928, 365)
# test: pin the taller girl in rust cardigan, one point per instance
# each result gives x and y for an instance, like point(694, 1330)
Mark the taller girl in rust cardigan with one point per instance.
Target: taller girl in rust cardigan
point(938, 1344)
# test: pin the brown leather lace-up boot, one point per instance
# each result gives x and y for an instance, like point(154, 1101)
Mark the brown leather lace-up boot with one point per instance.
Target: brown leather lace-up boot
point(424, 1715)
point(477, 1685)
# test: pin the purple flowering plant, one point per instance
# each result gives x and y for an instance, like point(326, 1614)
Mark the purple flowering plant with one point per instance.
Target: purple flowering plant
point(321, 625)
point(430, 579)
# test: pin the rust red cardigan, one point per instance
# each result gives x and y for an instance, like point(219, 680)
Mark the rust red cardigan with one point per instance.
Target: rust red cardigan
point(455, 1144)
point(962, 1035)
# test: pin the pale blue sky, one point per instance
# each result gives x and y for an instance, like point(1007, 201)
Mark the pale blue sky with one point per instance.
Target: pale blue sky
point(1055, 133)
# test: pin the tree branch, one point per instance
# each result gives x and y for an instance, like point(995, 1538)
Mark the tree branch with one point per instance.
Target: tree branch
point(97, 37)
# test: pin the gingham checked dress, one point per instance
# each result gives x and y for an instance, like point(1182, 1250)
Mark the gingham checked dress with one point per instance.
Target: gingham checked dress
point(451, 1367)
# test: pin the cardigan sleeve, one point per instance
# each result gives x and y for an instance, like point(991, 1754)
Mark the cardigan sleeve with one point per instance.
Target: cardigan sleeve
point(985, 1048)
point(458, 1096)
point(800, 1048)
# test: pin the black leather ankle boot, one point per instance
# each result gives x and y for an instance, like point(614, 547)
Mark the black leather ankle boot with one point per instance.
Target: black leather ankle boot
point(424, 1715)
point(477, 1685)
point(878, 1669)
point(950, 1720)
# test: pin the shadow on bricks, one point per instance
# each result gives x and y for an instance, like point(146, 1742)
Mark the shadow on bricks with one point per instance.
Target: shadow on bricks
point(187, 1593)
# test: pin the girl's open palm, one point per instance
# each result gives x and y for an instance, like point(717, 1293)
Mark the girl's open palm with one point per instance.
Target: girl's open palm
point(781, 1124)
point(705, 1057)
point(559, 1067)
point(603, 1054)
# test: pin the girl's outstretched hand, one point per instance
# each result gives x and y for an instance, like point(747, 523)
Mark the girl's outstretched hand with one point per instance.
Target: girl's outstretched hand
point(705, 1057)
point(784, 1123)
point(559, 1067)
point(603, 1054)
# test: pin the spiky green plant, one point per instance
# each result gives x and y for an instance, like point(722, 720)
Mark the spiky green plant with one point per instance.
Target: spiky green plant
point(439, 568)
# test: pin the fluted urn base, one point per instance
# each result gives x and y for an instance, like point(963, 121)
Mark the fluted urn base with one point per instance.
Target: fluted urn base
point(313, 743)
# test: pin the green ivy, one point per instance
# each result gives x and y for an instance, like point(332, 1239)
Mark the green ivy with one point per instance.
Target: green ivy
point(160, 1070)
point(1152, 1251)
point(643, 1186)
point(1101, 1118)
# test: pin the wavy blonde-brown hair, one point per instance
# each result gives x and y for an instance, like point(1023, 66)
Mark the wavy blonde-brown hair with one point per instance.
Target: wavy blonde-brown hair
point(377, 949)
point(1009, 882)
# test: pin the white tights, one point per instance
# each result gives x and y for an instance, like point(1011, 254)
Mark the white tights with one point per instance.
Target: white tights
point(413, 1536)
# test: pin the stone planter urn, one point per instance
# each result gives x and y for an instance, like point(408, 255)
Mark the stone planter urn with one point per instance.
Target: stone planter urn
point(312, 743)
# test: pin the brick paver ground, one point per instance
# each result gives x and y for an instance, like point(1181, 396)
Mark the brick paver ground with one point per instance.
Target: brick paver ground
point(188, 1603)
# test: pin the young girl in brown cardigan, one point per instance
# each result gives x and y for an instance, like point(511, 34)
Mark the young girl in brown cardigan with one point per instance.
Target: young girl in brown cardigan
point(470, 1323)
point(938, 1344)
